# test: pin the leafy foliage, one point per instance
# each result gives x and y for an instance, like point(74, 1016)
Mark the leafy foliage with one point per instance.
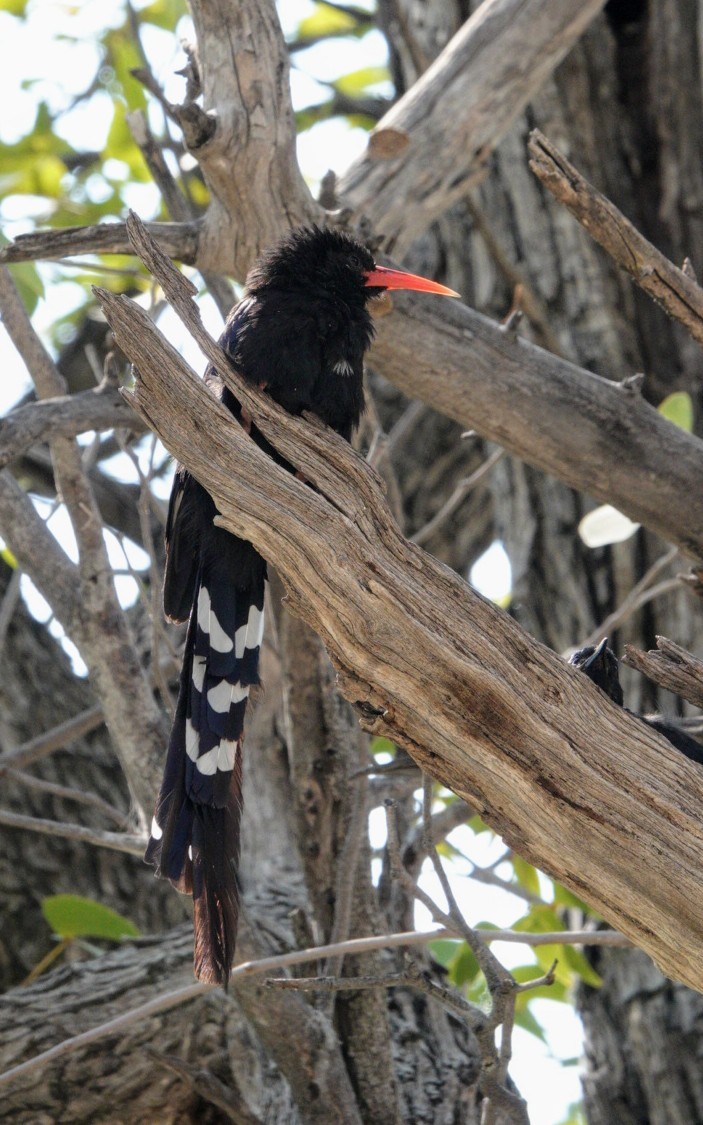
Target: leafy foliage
point(71, 916)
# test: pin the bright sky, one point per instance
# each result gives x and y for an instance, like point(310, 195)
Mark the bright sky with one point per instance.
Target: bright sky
point(65, 68)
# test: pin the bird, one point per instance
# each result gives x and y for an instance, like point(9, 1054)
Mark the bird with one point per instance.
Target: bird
point(300, 333)
point(601, 666)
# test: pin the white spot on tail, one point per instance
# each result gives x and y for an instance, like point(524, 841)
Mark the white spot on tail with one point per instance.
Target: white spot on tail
point(224, 695)
point(207, 620)
point(191, 741)
point(249, 635)
point(198, 673)
point(156, 832)
point(221, 757)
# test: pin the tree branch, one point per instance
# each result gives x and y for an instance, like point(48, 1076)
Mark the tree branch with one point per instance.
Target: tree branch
point(179, 241)
point(65, 416)
point(669, 286)
point(595, 435)
point(429, 148)
point(671, 667)
point(502, 721)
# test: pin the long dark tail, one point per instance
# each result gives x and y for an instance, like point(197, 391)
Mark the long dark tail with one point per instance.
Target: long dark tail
point(195, 831)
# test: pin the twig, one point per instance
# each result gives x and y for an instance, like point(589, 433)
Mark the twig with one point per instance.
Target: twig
point(66, 416)
point(66, 793)
point(55, 739)
point(639, 595)
point(348, 863)
point(101, 629)
point(669, 286)
point(271, 964)
point(532, 305)
point(114, 841)
point(111, 1027)
point(461, 491)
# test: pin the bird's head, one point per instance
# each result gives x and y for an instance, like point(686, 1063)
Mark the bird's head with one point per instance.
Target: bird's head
point(600, 664)
point(332, 262)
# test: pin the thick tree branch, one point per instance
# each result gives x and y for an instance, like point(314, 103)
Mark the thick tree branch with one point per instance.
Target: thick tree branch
point(669, 286)
point(428, 149)
point(502, 721)
point(597, 436)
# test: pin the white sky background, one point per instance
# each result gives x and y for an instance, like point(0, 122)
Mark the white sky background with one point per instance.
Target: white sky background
point(65, 68)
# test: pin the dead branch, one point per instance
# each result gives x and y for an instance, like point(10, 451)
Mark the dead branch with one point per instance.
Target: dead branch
point(55, 739)
point(671, 667)
point(502, 721)
point(65, 416)
point(429, 148)
point(577, 426)
point(115, 841)
point(676, 292)
point(179, 241)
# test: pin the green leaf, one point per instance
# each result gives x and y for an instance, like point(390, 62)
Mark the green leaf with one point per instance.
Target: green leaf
point(358, 81)
point(525, 1019)
point(581, 966)
point(325, 22)
point(444, 950)
point(463, 968)
point(540, 919)
point(13, 7)
point(525, 874)
point(74, 916)
point(678, 408)
point(8, 558)
point(381, 745)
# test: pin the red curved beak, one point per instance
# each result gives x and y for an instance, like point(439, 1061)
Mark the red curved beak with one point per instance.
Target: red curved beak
point(382, 278)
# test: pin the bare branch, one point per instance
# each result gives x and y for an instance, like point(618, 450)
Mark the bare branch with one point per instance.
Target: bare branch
point(100, 626)
point(670, 287)
point(114, 841)
point(179, 240)
point(66, 793)
point(66, 416)
point(462, 490)
point(526, 400)
point(671, 667)
point(638, 596)
point(428, 149)
point(55, 739)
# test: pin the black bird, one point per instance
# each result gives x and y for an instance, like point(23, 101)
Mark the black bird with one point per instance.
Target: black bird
point(300, 332)
point(601, 665)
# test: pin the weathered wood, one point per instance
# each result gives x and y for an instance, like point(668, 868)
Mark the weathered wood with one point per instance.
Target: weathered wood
point(595, 435)
point(670, 666)
point(677, 293)
point(499, 719)
point(426, 151)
